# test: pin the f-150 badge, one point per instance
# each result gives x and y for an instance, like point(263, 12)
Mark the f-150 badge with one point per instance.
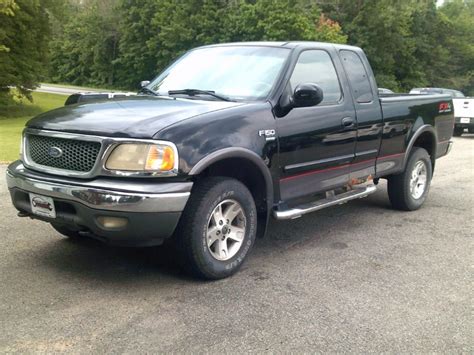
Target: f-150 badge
point(269, 134)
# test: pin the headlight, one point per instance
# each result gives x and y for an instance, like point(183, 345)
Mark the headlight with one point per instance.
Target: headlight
point(143, 157)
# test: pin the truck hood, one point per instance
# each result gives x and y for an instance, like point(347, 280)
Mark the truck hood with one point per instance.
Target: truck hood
point(137, 117)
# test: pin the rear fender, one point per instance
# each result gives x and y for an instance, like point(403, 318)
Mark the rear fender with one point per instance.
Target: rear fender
point(415, 136)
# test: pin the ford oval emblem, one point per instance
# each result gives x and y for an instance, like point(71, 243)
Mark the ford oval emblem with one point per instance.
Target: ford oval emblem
point(55, 152)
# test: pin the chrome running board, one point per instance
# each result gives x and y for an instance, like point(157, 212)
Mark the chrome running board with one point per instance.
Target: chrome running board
point(330, 200)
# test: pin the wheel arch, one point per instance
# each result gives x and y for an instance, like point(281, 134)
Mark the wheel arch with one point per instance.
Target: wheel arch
point(424, 137)
point(251, 171)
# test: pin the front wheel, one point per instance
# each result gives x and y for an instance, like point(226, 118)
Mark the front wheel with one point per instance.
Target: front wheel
point(408, 191)
point(217, 228)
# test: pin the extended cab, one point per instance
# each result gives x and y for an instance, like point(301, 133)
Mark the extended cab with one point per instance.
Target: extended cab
point(225, 138)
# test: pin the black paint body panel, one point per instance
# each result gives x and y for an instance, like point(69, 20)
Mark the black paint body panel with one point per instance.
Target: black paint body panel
point(131, 117)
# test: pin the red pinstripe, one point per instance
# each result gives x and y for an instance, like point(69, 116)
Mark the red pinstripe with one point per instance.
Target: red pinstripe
point(306, 173)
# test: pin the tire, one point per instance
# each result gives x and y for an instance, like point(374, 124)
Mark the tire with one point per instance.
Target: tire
point(400, 192)
point(458, 131)
point(68, 233)
point(200, 238)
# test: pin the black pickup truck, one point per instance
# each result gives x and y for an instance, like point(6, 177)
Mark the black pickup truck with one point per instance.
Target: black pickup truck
point(225, 138)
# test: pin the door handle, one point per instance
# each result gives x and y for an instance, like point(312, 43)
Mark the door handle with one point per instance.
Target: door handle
point(347, 122)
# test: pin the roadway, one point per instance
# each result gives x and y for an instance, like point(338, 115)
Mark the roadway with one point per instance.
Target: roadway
point(354, 278)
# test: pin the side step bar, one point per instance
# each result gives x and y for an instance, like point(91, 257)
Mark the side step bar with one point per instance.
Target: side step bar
point(329, 201)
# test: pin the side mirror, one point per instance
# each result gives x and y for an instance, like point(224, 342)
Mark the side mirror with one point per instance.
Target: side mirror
point(306, 95)
point(144, 83)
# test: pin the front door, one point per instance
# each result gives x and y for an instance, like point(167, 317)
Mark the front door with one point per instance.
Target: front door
point(317, 144)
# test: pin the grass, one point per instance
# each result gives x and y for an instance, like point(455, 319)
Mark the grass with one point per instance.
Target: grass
point(14, 117)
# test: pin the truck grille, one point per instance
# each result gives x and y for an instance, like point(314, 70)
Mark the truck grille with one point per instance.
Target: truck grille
point(76, 155)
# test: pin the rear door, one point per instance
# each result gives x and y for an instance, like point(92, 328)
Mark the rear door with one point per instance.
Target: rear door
point(317, 143)
point(368, 114)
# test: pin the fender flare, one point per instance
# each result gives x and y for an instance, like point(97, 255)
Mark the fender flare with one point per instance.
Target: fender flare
point(414, 137)
point(243, 153)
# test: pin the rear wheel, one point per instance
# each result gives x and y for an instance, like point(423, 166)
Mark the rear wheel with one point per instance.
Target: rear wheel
point(217, 228)
point(458, 131)
point(408, 191)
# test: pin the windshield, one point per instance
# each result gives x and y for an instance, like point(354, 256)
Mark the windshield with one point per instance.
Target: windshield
point(239, 73)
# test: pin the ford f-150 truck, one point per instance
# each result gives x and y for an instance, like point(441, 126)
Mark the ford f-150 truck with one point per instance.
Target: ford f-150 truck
point(224, 139)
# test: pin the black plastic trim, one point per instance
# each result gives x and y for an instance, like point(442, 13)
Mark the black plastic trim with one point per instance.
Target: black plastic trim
point(236, 152)
point(419, 132)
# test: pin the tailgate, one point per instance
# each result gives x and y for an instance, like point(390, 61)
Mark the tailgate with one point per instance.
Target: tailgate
point(463, 107)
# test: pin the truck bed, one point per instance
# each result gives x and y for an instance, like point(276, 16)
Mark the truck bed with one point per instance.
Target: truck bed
point(404, 114)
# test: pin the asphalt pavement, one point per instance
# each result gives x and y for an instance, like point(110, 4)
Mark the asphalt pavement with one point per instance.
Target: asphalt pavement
point(354, 278)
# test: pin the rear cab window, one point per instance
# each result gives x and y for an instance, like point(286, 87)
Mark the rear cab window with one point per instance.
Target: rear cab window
point(357, 76)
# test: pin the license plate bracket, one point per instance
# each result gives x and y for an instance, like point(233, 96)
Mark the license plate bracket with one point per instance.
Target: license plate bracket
point(42, 206)
point(465, 120)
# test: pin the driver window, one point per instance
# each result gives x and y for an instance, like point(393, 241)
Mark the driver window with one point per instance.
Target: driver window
point(315, 66)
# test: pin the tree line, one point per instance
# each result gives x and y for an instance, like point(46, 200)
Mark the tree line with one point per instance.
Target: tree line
point(118, 43)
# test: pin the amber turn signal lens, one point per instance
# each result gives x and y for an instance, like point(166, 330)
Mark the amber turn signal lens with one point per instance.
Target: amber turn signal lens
point(168, 159)
point(160, 158)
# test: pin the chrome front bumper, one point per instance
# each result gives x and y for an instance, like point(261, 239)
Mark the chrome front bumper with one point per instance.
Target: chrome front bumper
point(149, 210)
point(104, 194)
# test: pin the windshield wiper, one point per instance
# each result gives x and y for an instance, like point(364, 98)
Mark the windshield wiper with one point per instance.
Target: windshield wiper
point(146, 90)
point(194, 92)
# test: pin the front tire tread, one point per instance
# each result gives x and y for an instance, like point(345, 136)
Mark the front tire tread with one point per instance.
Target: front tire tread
point(188, 235)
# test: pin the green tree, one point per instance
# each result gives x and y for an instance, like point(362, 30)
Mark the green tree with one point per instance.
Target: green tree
point(85, 44)
point(283, 20)
point(24, 32)
point(429, 30)
point(458, 72)
point(7, 8)
point(137, 59)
